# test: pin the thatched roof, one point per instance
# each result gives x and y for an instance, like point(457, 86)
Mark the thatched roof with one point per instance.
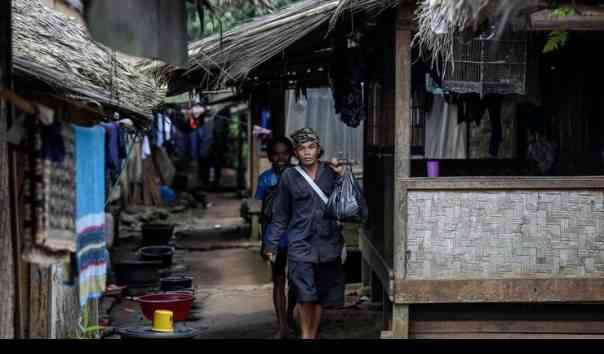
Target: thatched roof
point(58, 51)
point(211, 5)
point(231, 57)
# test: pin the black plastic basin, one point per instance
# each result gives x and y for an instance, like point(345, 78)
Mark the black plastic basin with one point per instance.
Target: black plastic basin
point(158, 253)
point(157, 234)
point(137, 273)
point(176, 283)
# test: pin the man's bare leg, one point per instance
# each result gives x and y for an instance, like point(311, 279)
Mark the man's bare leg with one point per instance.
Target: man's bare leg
point(307, 314)
point(316, 321)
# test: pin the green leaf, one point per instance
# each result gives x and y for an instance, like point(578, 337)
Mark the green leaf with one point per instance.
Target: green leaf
point(563, 12)
point(555, 41)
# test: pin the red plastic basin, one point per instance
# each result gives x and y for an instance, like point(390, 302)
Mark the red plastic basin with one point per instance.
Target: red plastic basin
point(179, 303)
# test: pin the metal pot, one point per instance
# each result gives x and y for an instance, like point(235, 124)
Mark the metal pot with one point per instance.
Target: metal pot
point(137, 273)
point(158, 253)
point(176, 283)
point(157, 234)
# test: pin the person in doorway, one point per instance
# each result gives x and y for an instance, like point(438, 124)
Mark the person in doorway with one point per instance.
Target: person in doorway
point(315, 243)
point(280, 152)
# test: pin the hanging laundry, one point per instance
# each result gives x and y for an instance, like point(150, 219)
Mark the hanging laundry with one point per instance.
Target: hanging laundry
point(162, 129)
point(471, 108)
point(349, 75)
point(181, 122)
point(146, 148)
point(53, 148)
point(194, 145)
point(91, 252)
point(180, 143)
point(49, 198)
point(122, 142)
point(17, 132)
point(46, 115)
point(445, 138)
point(112, 137)
point(192, 121)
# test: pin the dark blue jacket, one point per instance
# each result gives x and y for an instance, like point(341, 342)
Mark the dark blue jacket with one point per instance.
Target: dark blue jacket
point(299, 212)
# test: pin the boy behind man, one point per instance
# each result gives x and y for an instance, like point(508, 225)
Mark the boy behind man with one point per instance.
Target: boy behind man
point(280, 151)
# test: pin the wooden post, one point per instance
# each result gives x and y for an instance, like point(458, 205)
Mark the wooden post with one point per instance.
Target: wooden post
point(7, 271)
point(402, 162)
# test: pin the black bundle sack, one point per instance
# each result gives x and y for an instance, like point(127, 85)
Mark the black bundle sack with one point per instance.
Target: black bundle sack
point(346, 202)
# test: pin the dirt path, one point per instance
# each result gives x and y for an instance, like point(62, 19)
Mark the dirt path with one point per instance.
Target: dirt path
point(232, 284)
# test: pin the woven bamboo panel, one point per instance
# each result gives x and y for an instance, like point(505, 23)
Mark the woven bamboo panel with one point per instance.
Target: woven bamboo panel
point(523, 234)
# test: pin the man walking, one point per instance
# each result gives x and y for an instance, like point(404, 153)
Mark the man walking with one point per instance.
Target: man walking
point(315, 242)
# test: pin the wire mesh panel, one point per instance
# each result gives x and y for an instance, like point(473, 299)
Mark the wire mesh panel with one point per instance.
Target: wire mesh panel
point(488, 66)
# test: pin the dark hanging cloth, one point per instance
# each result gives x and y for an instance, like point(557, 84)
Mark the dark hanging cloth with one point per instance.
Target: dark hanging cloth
point(112, 160)
point(422, 98)
point(53, 147)
point(122, 143)
point(471, 108)
point(180, 122)
point(180, 143)
point(496, 128)
point(348, 71)
point(194, 145)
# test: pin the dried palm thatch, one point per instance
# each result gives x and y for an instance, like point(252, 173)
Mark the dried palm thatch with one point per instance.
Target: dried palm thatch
point(439, 21)
point(221, 5)
point(354, 5)
point(231, 57)
point(49, 47)
point(211, 5)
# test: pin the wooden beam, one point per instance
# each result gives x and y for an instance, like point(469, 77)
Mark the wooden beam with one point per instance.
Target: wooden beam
point(400, 321)
point(503, 183)
point(402, 162)
point(505, 336)
point(7, 270)
point(583, 290)
point(509, 326)
point(588, 19)
point(377, 263)
point(402, 146)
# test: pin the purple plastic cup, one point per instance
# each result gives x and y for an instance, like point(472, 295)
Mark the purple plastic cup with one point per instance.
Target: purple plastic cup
point(433, 168)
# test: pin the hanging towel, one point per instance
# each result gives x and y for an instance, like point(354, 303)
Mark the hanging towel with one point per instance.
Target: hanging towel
point(49, 199)
point(146, 148)
point(92, 252)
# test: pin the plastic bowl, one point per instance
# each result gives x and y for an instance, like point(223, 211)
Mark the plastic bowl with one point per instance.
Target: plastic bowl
point(179, 303)
point(158, 253)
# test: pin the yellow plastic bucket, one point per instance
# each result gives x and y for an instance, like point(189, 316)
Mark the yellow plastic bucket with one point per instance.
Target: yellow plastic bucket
point(163, 321)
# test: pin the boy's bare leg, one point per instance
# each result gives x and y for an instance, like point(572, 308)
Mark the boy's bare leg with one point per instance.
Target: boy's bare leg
point(280, 304)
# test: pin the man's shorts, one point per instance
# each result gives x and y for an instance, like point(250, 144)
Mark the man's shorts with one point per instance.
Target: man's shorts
point(318, 283)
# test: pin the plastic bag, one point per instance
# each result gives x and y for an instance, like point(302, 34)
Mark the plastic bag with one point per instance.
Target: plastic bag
point(346, 202)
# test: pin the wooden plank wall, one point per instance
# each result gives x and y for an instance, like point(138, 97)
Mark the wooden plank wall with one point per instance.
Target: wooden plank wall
point(7, 271)
point(507, 321)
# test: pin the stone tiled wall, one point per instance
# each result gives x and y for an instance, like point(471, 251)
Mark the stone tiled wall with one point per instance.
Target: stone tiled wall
point(523, 234)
